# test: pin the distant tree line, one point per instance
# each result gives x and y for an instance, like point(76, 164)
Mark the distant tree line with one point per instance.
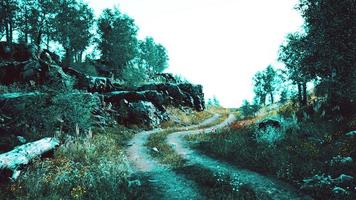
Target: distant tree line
point(323, 53)
point(72, 24)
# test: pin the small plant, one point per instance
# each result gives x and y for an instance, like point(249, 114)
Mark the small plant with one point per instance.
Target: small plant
point(269, 135)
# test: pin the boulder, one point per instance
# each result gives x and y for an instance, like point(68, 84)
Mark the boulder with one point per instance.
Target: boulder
point(269, 123)
point(17, 52)
point(351, 134)
point(33, 70)
point(180, 94)
point(141, 113)
point(156, 98)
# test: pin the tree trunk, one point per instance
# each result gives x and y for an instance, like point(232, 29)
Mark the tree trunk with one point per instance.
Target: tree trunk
point(11, 31)
point(305, 95)
point(7, 31)
point(68, 57)
point(38, 39)
point(262, 99)
point(48, 39)
point(272, 99)
point(300, 96)
point(12, 161)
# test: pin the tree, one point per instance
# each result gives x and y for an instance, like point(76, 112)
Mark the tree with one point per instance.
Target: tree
point(325, 50)
point(9, 10)
point(265, 84)
point(72, 24)
point(259, 89)
point(270, 77)
point(294, 56)
point(215, 101)
point(153, 55)
point(36, 19)
point(283, 97)
point(246, 108)
point(117, 40)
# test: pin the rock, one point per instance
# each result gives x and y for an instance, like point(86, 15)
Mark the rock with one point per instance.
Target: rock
point(339, 160)
point(351, 134)
point(269, 122)
point(50, 57)
point(141, 113)
point(154, 97)
point(56, 77)
point(21, 139)
point(17, 52)
point(20, 64)
point(179, 94)
point(343, 179)
point(317, 181)
point(155, 149)
point(167, 77)
point(16, 97)
point(340, 193)
point(33, 70)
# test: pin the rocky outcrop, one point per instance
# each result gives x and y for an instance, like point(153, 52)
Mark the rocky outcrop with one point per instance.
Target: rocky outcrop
point(22, 64)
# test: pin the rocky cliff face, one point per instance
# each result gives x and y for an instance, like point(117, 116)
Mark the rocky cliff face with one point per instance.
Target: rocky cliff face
point(144, 105)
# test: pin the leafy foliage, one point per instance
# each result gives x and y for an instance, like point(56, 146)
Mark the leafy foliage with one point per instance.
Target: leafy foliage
point(265, 83)
point(324, 51)
point(118, 39)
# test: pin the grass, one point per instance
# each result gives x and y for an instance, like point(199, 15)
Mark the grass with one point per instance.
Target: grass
point(166, 153)
point(216, 185)
point(82, 168)
point(181, 118)
point(305, 150)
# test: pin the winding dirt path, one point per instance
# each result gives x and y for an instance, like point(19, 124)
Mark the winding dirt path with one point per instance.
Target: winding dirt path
point(166, 183)
point(265, 188)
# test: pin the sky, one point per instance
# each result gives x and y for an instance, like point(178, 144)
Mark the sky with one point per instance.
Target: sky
point(220, 44)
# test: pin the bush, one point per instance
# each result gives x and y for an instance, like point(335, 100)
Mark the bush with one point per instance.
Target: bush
point(298, 150)
point(269, 135)
point(45, 114)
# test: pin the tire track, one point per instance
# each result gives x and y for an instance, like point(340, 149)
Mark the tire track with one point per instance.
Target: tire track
point(166, 183)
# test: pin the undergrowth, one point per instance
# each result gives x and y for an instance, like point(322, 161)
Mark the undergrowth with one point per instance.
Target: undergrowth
point(217, 185)
point(179, 117)
point(82, 168)
point(306, 149)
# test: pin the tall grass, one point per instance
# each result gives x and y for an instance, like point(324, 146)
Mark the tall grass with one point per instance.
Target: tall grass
point(305, 150)
point(82, 168)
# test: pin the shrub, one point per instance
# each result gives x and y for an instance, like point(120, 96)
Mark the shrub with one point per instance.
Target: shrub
point(269, 135)
point(300, 149)
point(46, 114)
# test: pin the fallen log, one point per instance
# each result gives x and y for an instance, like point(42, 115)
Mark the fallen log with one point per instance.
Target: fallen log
point(12, 162)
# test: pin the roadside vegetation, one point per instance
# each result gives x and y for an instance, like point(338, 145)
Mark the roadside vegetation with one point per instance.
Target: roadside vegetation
point(217, 185)
point(313, 154)
point(88, 167)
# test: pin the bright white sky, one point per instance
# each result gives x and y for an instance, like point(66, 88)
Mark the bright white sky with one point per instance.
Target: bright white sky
point(217, 43)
